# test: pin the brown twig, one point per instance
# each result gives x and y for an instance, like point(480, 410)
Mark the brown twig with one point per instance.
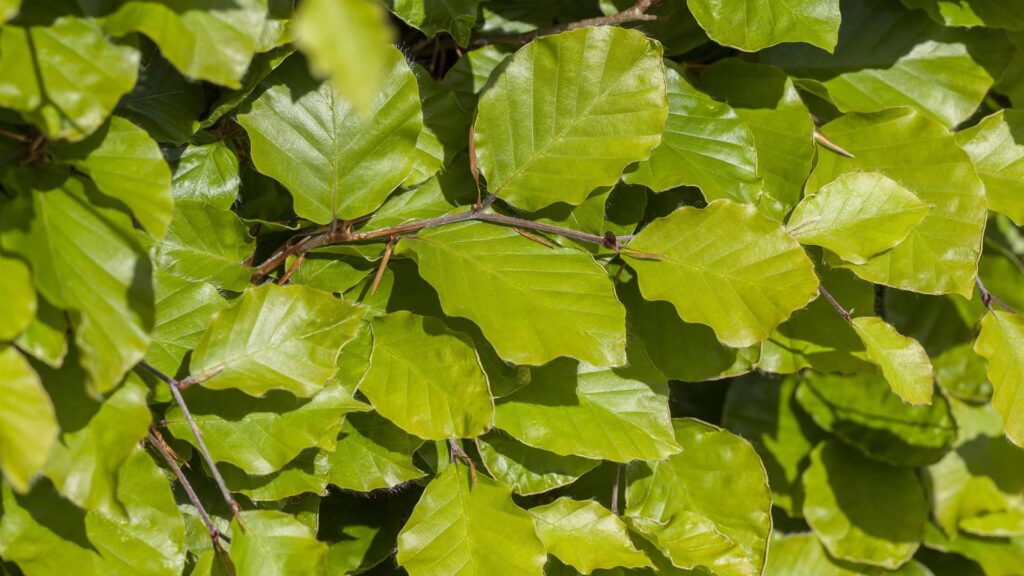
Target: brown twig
point(157, 442)
point(200, 445)
point(988, 298)
point(456, 453)
point(835, 304)
point(383, 265)
point(291, 269)
point(347, 236)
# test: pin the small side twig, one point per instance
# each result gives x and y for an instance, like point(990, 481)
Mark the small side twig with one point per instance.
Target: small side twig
point(161, 447)
point(388, 249)
point(835, 304)
point(200, 444)
point(291, 269)
point(988, 298)
point(456, 453)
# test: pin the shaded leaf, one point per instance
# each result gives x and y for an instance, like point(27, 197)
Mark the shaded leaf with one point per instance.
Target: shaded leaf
point(532, 303)
point(864, 412)
point(275, 337)
point(45, 336)
point(456, 17)
point(863, 510)
point(163, 102)
point(991, 13)
point(18, 307)
point(799, 554)
point(591, 100)
point(469, 531)
point(727, 254)
point(857, 215)
point(997, 556)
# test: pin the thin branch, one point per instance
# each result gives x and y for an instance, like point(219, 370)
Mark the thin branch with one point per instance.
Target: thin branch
point(346, 236)
point(842, 311)
point(989, 298)
point(160, 446)
point(176, 392)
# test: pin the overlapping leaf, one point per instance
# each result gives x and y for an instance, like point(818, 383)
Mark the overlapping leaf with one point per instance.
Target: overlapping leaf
point(751, 25)
point(206, 244)
point(457, 17)
point(533, 303)
point(996, 145)
point(284, 338)
point(371, 454)
point(902, 360)
point(207, 172)
point(744, 274)
point(569, 113)
point(1001, 343)
point(529, 470)
point(274, 543)
point(586, 536)
point(334, 160)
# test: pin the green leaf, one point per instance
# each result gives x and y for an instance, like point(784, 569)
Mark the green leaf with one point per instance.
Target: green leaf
point(755, 24)
point(664, 335)
point(163, 102)
point(571, 408)
point(816, 337)
point(857, 215)
point(206, 244)
point(864, 412)
point(18, 306)
point(977, 486)
point(44, 338)
point(569, 113)
point(150, 538)
point(371, 454)
point(275, 543)
point(889, 56)
point(85, 258)
point(727, 254)
point(705, 144)
point(456, 17)
point(765, 99)
point(528, 470)
point(9, 9)
point(333, 160)
point(28, 427)
point(97, 437)
point(998, 153)
point(469, 530)
point(205, 39)
point(65, 78)
point(260, 435)
point(863, 510)
point(940, 255)
point(903, 361)
point(800, 554)
point(532, 303)
point(261, 67)
point(679, 502)
point(207, 172)
point(586, 535)
point(471, 74)
point(1001, 343)
point(276, 338)
point(409, 351)
point(183, 312)
point(126, 164)
point(445, 130)
point(347, 41)
point(961, 374)
point(766, 414)
point(990, 13)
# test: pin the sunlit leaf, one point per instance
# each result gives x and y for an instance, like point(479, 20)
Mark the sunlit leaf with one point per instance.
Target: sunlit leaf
point(902, 360)
point(207, 172)
point(751, 25)
point(28, 427)
point(586, 535)
point(18, 307)
point(996, 144)
point(372, 453)
point(275, 543)
point(526, 469)
point(1001, 343)
point(205, 244)
point(569, 113)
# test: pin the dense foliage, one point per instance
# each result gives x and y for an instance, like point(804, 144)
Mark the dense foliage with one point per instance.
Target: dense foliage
point(488, 287)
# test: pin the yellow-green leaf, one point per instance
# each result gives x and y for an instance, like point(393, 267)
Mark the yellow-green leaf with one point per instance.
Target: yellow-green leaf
point(903, 361)
point(1001, 343)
